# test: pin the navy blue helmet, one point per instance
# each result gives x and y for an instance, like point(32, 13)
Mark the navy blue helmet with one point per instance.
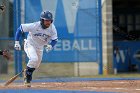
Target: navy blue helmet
point(46, 15)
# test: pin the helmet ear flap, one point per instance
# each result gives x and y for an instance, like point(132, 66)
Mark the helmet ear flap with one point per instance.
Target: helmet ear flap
point(42, 23)
point(51, 21)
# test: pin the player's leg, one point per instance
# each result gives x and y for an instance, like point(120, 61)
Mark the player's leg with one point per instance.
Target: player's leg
point(28, 76)
point(32, 63)
point(39, 53)
point(29, 70)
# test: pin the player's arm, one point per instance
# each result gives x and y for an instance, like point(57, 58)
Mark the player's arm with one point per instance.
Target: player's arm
point(17, 38)
point(18, 34)
point(54, 39)
point(53, 42)
point(20, 31)
point(50, 46)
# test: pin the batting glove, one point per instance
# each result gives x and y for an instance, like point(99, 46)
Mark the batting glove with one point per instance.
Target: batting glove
point(17, 45)
point(48, 48)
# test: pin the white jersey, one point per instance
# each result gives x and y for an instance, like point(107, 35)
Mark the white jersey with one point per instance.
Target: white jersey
point(37, 35)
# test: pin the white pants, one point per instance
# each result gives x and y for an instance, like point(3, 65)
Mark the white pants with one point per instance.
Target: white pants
point(34, 55)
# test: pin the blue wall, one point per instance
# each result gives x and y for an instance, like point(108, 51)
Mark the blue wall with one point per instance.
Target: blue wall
point(127, 57)
point(77, 23)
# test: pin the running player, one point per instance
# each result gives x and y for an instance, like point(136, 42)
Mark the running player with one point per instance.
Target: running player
point(41, 34)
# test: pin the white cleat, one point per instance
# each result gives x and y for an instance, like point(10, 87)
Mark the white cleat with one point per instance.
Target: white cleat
point(27, 84)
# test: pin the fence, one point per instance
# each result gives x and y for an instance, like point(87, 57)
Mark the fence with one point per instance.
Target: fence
point(78, 26)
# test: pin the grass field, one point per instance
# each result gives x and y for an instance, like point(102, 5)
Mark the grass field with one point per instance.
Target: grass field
point(44, 71)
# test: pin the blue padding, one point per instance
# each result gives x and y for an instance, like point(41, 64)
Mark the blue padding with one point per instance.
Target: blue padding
point(80, 79)
point(73, 79)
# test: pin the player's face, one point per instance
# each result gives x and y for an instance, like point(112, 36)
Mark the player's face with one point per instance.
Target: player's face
point(47, 23)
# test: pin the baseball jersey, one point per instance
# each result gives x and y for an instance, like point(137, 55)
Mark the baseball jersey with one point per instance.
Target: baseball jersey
point(37, 35)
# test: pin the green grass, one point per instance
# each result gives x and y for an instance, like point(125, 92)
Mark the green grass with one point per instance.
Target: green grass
point(47, 71)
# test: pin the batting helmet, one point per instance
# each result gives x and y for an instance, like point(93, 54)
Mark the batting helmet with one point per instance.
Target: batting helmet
point(46, 15)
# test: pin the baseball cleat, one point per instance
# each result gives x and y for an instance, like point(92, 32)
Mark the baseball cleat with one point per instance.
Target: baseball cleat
point(26, 81)
point(27, 84)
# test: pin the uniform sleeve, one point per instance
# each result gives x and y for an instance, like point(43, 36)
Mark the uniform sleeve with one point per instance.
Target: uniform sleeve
point(18, 34)
point(27, 27)
point(54, 33)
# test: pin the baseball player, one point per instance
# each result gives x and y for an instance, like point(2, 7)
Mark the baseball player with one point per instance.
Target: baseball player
point(41, 34)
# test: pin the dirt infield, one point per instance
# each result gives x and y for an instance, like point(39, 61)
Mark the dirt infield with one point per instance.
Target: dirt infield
point(127, 86)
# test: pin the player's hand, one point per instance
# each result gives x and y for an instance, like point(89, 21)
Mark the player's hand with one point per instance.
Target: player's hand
point(48, 48)
point(17, 45)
